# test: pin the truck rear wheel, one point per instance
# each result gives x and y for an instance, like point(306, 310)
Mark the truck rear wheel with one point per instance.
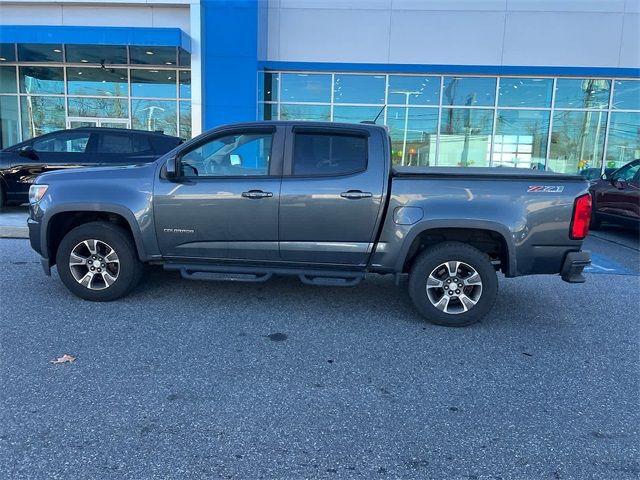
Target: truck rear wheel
point(98, 261)
point(453, 284)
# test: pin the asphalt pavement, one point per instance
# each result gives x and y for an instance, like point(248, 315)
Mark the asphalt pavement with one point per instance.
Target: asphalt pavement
point(280, 380)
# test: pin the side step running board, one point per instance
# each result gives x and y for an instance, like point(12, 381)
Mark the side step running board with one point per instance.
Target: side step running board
point(332, 278)
point(224, 277)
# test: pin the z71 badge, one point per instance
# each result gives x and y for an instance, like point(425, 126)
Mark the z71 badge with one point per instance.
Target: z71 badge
point(545, 189)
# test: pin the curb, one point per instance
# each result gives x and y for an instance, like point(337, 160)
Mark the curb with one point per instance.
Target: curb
point(14, 232)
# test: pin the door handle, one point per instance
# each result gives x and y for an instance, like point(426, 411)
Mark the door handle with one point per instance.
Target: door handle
point(257, 194)
point(355, 194)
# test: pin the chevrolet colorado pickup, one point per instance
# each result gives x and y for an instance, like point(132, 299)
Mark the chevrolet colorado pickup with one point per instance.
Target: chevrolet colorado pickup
point(321, 201)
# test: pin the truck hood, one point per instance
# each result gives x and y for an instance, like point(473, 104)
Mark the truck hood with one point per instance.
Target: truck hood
point(107, 174)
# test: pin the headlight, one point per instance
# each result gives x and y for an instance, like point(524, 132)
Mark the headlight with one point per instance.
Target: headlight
point(36, 192)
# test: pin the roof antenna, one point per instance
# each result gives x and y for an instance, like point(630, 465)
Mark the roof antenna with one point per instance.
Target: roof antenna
point(369, 122)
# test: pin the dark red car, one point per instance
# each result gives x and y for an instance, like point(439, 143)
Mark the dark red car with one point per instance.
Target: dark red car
point(616, 197)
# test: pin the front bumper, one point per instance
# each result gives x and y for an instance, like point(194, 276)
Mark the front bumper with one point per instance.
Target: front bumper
point(35, 238)
point(573, 266)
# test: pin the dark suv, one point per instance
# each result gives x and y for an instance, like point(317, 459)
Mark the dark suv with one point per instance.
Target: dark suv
point(616, 196)
point(81, 147)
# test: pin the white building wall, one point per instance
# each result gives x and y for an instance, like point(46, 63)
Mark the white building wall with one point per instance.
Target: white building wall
point(574, 33)
point(132, 13)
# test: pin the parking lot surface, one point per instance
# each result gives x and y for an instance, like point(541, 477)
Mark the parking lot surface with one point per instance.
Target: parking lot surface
point(281, 380)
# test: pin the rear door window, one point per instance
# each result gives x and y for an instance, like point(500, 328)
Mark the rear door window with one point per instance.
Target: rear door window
point(69, 142)
point(326, 154)
point(124, 144)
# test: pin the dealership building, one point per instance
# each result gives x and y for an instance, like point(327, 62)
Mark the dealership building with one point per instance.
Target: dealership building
point(528, 83)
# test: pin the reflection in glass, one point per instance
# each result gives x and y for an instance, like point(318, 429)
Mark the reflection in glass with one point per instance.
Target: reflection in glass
point(624, 138)
point(185, 120)
point(36, 52)
point(8, 121)
point(626, 95)
point(98, 107)
point(469, 91)
point(185, 84)
point(102, 54)
point(356, 114)
point(41, 80)
point(267, 111)
point(7, 52)
point(8, 82)
point(359, 89)
point(582, 93)
point(305, 112)
point(521, 139)
point(268, 87)
point(413, 90)
point(154, 115)
point(153, 55)
point(97, 81)
point(184, 58)
point(41, 115)
point(577, 141)
point(153, 83)
point(304, 87)
point(465, 137)
point(413, 135)
point(525, 92)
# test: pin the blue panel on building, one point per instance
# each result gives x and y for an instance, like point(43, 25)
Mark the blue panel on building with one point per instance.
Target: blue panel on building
point(230, 30)
point(143, 36)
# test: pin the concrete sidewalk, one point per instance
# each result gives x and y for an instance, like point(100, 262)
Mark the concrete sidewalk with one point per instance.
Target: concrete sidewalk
point(13, 222)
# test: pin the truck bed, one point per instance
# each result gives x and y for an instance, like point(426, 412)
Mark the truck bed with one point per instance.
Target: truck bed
point(497, 173)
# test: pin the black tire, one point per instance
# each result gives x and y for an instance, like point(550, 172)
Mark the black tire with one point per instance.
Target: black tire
point(130, 268)
point(2, 201)
point(439, 255)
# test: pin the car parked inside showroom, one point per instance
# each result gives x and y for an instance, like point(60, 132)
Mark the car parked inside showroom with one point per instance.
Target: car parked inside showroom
point(20, 164)
point(616, 197)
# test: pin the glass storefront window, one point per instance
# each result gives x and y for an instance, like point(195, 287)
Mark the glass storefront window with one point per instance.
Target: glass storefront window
point(153, 83)
point(268, 111)
point(101, 54)
point(185, 120)
point(350, 114)
point(521, 139)
point(8, 79)
point(41, 80)
point(303, 87)
point(41, 115)
point(98, 107)
point(626, 95)
point(413, 135)
point(154, 115)
point(465, 137)
point(624, 138)
point(185, 84)
point(268, 87)
point(414, 90)
point(577, 141)
point(582, 93)
point(7, 52)
point(359, 89)
point(153, 55)
point(8, 120)
point(97, 81)
point(35, 52)
point(320, 113)
point(469, 91)
point(184, 58)
point(525, 92)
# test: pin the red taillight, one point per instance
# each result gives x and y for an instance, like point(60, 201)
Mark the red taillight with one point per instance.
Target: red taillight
point(581, 217)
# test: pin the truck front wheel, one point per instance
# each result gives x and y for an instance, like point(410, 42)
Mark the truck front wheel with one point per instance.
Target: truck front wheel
point(98, 261)
point(453, 284)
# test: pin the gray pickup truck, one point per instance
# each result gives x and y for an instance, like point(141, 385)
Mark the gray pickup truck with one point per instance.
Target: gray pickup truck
point(317, 200)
